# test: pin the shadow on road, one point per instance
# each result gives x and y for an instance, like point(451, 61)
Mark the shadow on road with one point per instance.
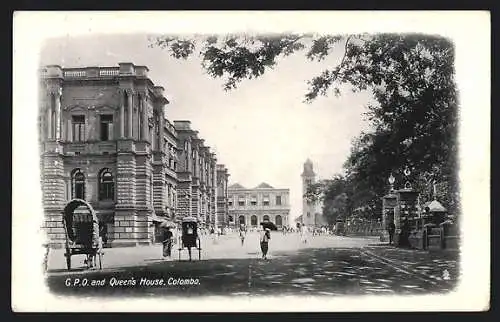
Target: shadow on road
point(306, 272)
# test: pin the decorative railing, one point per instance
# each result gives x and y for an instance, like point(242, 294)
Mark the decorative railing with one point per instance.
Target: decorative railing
point(93, 72)
point(109, 72)
point(75, 73)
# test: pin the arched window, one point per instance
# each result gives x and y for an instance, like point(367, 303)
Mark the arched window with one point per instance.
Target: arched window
point(253, 220)
point(106, 185)
point(279, 221)
point(78, 184)
point(265, 218)
point(241, 220)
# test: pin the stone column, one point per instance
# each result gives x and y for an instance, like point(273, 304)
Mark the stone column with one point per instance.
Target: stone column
point(122, 115)
point(160, 134)
point(130, 113)
point(49, 118)
point(144, 118)
point(58, 114)
point(68, 132)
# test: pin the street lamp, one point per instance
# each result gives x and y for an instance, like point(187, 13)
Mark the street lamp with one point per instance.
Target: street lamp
point(407, 173)
point(391, 181)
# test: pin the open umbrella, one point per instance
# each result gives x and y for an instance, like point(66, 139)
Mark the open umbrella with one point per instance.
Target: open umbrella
point(167, 224)
point(268, 224)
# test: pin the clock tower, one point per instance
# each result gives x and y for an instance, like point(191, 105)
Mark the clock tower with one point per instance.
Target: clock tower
point(308, 207)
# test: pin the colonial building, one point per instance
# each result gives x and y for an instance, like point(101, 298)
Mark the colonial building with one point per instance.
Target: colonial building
point(312, 212)
point(105, 138)
point(250, 207)
point(222, 219)
point(196, 176)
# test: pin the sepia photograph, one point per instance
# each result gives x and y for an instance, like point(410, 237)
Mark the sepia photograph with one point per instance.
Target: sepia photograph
point(285, 161)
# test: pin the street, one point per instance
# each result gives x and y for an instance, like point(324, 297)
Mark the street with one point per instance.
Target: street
point(326, 265)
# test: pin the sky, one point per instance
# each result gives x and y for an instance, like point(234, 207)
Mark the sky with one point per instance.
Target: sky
point(262, 131)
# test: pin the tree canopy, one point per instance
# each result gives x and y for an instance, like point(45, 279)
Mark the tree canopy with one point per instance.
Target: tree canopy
point(411, 76)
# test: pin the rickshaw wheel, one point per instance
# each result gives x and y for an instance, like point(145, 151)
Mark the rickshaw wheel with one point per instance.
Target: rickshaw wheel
point(68, 261)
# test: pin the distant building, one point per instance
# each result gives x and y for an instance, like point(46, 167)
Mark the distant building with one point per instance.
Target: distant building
point(250, 207)
point(312, 212)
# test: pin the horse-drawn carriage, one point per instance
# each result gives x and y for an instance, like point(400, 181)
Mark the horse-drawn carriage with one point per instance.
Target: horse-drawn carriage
point(189, 238)
point(82, 233)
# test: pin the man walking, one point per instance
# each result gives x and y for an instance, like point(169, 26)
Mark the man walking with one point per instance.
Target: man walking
point(242, 236)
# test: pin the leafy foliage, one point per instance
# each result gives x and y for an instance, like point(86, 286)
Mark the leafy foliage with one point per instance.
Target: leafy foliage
point(414, 119)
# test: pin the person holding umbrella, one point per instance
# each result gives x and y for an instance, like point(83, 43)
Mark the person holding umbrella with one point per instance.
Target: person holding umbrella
point(264, 241)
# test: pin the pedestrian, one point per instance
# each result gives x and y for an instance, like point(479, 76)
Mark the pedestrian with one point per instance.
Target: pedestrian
point(242, 236)
point(264, 241)
point(167, 242)
point(303, 234)
point(390, 229)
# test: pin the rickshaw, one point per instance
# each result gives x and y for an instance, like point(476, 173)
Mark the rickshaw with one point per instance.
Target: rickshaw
point(82, 233)
point(189, 237)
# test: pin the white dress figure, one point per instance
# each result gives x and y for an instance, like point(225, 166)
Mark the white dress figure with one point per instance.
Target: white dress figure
point(303, 234)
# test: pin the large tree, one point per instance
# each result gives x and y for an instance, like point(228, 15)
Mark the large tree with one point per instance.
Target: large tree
point(411, 77)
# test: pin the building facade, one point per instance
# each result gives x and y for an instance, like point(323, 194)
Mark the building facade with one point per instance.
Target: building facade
point(312, 211)
point(222, 219)
point(197, 175)
point(104, 138)
point(250, 207)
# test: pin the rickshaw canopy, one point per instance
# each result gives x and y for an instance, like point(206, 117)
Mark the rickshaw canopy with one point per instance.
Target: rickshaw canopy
point(68, 215)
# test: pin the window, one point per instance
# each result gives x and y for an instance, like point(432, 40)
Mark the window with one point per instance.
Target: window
point(106, 127)
point(253, 220)
point(78, 122)
point(278, 200)
point(279, 221)
point(308, 214)
point(265, 218)
point(106, 185)
point(265, 200)
point(231, 219)
point(241, 203)
point(230, 203)
point(253, 202)
point(241, 220)
point(78, 185)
